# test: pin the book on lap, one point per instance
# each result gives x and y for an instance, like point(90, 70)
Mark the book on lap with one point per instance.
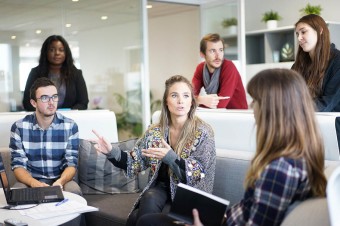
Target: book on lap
point(211, 208)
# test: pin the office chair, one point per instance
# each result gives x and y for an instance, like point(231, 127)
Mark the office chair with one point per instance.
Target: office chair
point(333, 197)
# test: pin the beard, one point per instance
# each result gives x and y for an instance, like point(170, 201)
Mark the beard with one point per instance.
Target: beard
point(47, 112)
point(213, 65)
point(48, 115)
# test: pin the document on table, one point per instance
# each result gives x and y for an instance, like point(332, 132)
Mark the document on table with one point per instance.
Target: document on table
point(48, 210)
point(211, 109)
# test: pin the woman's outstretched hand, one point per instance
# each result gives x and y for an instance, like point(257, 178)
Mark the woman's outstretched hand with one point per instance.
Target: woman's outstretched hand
point(157, 153)
point(102, 145)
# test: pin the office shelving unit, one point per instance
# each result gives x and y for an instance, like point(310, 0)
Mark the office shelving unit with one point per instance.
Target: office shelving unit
point(262, 45)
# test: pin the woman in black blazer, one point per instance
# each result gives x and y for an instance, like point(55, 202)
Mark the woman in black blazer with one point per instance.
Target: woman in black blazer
point(56, 63)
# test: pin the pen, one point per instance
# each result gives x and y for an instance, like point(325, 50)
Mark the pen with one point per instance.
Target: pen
point(61, 202)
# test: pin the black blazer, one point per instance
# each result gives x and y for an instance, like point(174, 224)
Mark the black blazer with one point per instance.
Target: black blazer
point(76, 92)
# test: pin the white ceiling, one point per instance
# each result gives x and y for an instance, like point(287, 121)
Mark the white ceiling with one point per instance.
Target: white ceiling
point(23, 17)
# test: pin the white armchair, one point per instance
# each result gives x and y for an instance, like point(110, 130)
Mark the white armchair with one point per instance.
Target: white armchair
point(333, 197)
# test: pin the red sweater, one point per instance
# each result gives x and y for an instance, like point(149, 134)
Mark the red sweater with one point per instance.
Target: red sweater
point(230, 85)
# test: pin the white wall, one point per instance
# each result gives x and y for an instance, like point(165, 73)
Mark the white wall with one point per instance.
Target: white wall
point(174, 43)
point(173, 48)
point(104, 57)
point(288, 10)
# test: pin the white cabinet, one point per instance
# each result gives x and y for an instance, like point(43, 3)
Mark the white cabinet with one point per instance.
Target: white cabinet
point(263, 44)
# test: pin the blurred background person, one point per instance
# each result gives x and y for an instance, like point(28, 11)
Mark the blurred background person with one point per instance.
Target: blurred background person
point(57, 64)
point(218, 76)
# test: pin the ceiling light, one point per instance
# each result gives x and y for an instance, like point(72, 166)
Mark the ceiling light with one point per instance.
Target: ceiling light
point(38, 31)
point(13, 37)
point(27, 44)
point(75, 0)
point(104, 17)
point(68, 25)
point(149, 6)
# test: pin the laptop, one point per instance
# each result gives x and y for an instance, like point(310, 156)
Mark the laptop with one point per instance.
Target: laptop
point(21, 196)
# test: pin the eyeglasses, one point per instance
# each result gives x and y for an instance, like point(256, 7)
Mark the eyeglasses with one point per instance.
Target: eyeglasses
point(214, 51)
point(46, 98)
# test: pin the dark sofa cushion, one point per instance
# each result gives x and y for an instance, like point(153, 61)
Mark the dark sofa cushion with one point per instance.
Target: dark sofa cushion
point(97, 175)
point(113, 209)
point(231, 168)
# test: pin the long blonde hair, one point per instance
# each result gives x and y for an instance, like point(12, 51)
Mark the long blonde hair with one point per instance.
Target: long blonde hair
point(286, 125)
point(190, 126)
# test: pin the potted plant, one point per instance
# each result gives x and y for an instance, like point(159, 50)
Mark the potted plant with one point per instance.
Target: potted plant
point(311, 9)
point(230, 24)
point(129, 117)
point(271, 17)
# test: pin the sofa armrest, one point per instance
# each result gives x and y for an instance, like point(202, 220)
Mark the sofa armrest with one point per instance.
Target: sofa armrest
point(231, 168)
point(6, 158)
point(311, 212)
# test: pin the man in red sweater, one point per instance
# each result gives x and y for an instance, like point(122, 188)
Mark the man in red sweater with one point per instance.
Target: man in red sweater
point(219, 77)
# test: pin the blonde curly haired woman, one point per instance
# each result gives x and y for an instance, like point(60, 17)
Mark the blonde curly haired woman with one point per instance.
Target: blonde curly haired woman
point(180, 148)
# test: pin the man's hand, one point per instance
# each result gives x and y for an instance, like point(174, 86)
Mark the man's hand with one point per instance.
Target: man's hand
point(23, 176)
point(35, 184)
point(58, 183)
point(210, 100)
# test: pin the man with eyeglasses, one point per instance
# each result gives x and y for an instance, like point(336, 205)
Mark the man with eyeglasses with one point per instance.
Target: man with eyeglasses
point(44, 145)
point(221, 80)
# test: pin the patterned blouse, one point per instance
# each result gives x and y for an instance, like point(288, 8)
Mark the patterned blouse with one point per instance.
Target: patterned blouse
point(199, 156)
point(282, 182)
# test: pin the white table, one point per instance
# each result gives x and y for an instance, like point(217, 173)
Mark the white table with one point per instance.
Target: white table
point(5, 214)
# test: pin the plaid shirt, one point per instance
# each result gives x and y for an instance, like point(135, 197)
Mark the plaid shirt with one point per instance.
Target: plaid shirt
point(44, 153)
point(281, 183)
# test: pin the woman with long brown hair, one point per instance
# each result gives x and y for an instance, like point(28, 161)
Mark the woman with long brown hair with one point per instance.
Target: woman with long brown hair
point(318, 61)
point(289, 159)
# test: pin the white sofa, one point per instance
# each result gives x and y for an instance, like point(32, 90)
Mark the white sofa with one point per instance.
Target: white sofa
point(235, 130)
point(235, 146)
point(235, 143)
point(104, 121)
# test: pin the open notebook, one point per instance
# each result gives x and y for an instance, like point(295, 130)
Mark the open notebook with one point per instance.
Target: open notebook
point(210, 207)
point(19, 196)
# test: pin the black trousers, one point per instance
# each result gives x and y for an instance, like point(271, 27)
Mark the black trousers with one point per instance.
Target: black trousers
point(337, 128)
point(155, 200)
point(156, 219)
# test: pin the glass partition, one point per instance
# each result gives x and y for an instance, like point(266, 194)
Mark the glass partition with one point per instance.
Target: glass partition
point(221, 17)
point(225, 17)
point(106, 40)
